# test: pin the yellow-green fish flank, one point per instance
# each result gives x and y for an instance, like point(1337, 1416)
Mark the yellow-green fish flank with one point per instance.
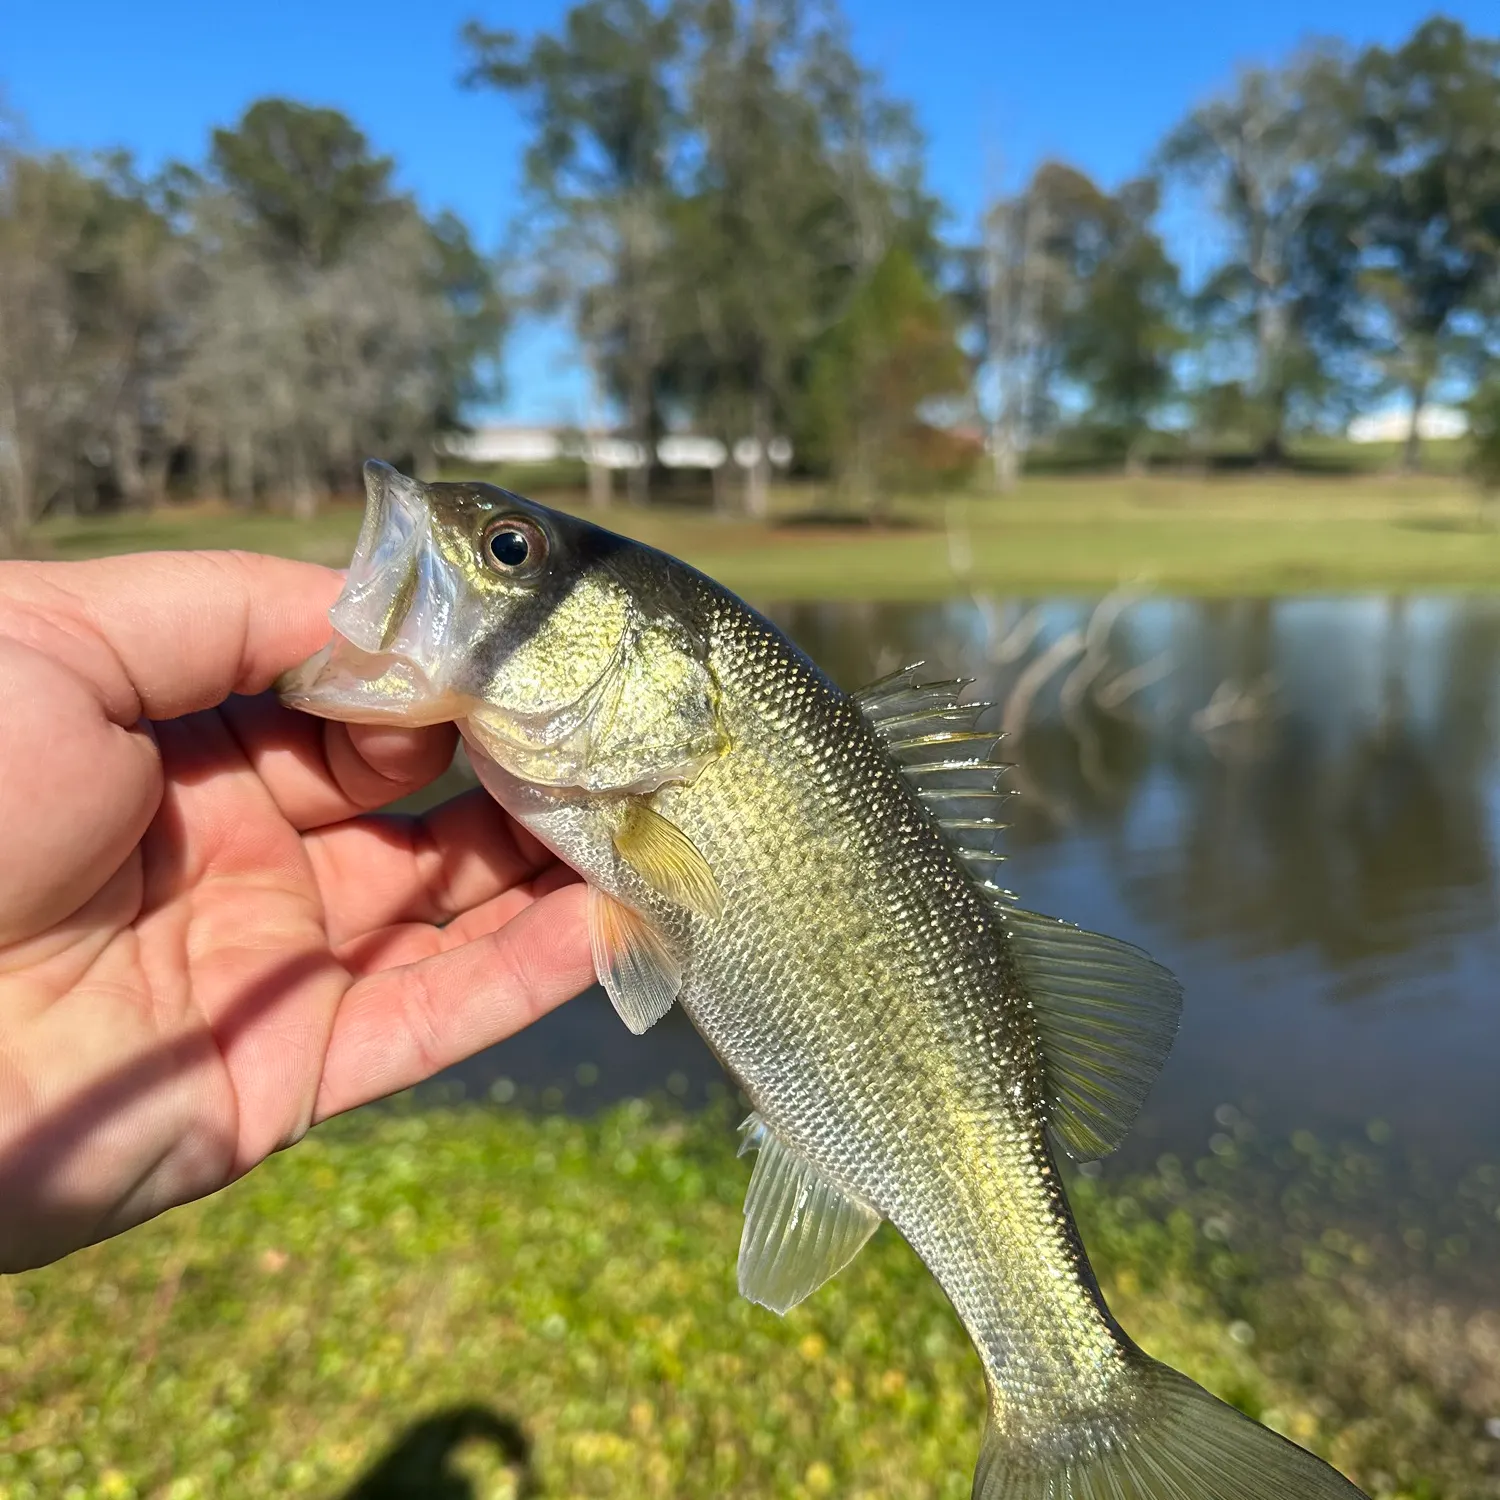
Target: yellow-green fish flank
point(814, 878)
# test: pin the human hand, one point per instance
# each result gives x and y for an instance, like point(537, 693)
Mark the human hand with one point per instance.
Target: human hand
point(206, 944)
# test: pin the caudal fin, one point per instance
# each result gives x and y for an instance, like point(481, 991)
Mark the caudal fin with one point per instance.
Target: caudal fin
point(1176, 1443)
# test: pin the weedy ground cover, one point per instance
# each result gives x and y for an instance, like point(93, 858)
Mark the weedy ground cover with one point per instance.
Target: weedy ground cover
point(538, 1304)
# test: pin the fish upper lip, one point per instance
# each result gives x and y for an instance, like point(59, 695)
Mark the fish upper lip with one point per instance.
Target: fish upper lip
point(388, 550)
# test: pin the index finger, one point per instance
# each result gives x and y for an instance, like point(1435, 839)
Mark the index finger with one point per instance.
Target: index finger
point(160, 634)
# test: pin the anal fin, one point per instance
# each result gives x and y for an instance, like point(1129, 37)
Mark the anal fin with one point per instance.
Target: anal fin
point(800, 1228)
point(634, 963)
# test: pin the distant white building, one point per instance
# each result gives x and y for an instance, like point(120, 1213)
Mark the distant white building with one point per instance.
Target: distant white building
point(506, 445)
point(543, 445)
point(1392, 425)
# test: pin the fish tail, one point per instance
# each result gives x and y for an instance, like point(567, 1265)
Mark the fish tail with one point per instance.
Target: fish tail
point(1173, 1442)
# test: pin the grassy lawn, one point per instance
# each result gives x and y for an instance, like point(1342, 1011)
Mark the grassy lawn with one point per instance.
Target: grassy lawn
point(1255, 535)
point(547, 1306)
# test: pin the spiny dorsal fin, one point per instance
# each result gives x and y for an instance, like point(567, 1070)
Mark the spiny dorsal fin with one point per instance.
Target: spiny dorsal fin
point(633, 962)
point(1106, 1015)
point(800, 1229)
point(946, 760)
point(666, 858)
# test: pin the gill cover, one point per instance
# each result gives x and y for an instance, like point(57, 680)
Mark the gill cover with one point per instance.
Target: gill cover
point(649, 718)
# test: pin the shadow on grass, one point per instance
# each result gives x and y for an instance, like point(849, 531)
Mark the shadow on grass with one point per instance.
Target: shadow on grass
point(1467, 525)
point(423, 1463)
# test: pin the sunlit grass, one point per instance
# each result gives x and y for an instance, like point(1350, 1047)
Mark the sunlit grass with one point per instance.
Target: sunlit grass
point(575, 1279)
point(1253, 535)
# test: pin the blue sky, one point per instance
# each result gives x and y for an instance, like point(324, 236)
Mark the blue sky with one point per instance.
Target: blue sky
point(996, 85)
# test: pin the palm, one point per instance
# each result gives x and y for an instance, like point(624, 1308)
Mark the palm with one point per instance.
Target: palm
point(209, 944)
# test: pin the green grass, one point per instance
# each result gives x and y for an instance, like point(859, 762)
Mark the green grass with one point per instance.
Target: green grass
point(575, 1280)
point(1250, 535)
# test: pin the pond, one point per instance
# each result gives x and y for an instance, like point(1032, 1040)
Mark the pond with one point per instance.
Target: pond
point(1293, 803)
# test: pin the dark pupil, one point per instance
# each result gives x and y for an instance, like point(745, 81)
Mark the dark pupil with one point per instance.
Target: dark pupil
point(509, 548)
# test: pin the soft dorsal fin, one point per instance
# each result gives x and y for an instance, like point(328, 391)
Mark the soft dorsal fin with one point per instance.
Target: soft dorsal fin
point(1106, 1015)
point(800, 1229)
point(633, 962)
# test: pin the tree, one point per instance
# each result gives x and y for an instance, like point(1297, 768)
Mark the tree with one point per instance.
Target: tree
point(1264, 151)
point(1072, 294)
point(600, 168)
point(134, 276)
point(52, 383)
point(274, 319)
point(1115, 309)
point(304, 178)
point(1026, 269)
point(330, 319)
point(1484, 437)
point(1424, 189)
point(806, 176)
point(893, 352)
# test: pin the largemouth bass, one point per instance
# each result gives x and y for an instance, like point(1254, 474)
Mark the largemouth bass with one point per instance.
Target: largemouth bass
point(813, 877)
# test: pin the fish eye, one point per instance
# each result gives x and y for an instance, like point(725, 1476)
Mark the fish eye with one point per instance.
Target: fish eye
point(514, 546)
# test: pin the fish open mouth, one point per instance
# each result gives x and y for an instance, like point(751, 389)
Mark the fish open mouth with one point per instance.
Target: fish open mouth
point(393, 619)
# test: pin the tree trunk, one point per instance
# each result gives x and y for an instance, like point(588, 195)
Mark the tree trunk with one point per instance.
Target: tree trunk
point(239, 470)
point(1411, 449)
point(306, 496)
point(638, 476)
point(718, 478)
point(758, 474)
point(125, 457)
point(1007, 457)
point(601, 484)
point(15, 506)
point(154, 476)
point(15, 489)
point(1270, 338)
point(1272, 453)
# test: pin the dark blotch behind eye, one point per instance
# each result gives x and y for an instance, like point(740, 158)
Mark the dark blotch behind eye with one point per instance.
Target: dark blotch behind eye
point(509, 548)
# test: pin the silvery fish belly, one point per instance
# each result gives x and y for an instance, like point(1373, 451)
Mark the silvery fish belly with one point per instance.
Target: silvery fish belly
point(814, 878)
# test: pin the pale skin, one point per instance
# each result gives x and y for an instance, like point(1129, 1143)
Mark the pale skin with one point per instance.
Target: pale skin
point(207, 941)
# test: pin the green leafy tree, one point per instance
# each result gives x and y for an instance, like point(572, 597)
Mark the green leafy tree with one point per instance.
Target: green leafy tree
point(1263, 152)
point(330, 318)
point(892, 354)
point(1424, 190)
point(305, 178)
point(1115, 317)
point(806, 176)
point(606, 132)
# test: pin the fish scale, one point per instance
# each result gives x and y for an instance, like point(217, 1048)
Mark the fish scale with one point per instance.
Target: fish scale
point(812, 877)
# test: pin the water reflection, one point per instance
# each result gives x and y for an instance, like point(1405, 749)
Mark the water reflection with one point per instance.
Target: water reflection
point(1295, 803)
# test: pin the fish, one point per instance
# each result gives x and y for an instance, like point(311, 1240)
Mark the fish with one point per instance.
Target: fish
point(815, 878)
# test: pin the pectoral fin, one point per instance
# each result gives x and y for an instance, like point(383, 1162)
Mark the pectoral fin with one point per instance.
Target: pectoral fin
point(634, 963)
point(666, 859)
point(800, 1228)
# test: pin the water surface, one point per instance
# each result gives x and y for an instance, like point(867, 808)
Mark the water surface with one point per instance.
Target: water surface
point(1293, 803)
